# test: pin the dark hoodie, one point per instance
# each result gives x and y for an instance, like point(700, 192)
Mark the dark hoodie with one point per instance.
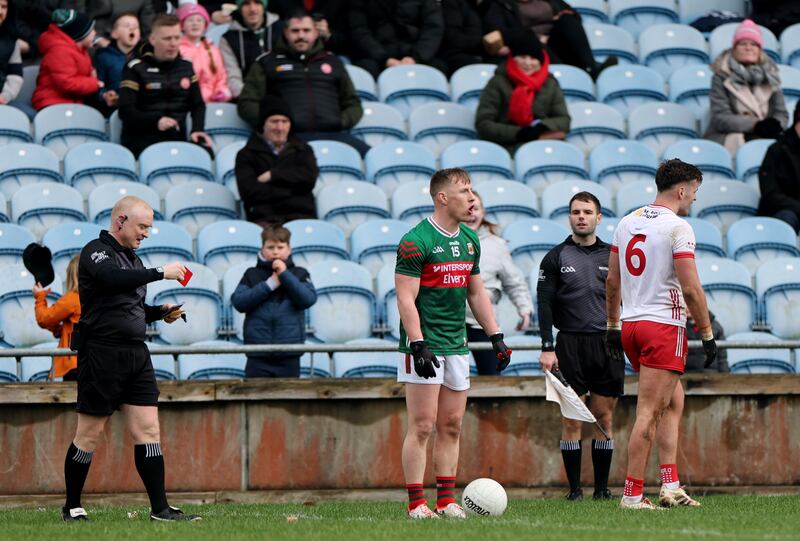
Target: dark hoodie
point(246, 45)
point(8, 44)
point(109, 62)
point(696, 357)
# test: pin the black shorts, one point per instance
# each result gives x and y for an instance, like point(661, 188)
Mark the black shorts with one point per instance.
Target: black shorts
point(582, 360)
point(109, 376)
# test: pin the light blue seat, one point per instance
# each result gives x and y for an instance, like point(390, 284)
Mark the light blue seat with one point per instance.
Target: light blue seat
point(607, 40)
point(37, 369)
point(15, 127)
point(591, 11)
point(223, 244)
point(667, 47)
point(658, 125)
point(636, 16)
point(8, 369)
point(29, 77)
point(373, 364)
point(710, 157)
point(708, 239)
point(575, 83)
point(337, 161)
point(439, 125)
point(790, 84)
point(67, 240)
point(615, 163)
point(605, 230)
point(541, 163)
point(392, 164)
point(482, 159)
point(379, 124)
point(224, 125)
point(4, 214)
point(530, 239)
point(202, 303)
point(721, 39)
point(412, 202)
point(729, 293)
point(363, 82)
point(230, 280)
point(778, 288)
point(467, 83)
point(225, 162)
point(790, 45)
point(343, 287)
point(408, 86)
point(42, 206)
point(627, 87)
point(759, 361)
point(349, 203)
point(168, 164)
point(690, 86)
point(13, 240)
point(315, 365)
point(506, 201)
point(555, 199)
point(756, 240)
point(635, 194)
point(166, 242)
point(163, 365)
point(386, 296)
point(103, 198)
point(89, 165)
point(374, 243)
point(724, 202)
point(22, 164)
point(212, 366)
point(592, 123)
point(523, 362)
point(315, 240)
point(18, 325)
point(215, 32)
point(115, 128)
point(196, 204)
point(749, 158)
point(63, 126)
point(690, 10)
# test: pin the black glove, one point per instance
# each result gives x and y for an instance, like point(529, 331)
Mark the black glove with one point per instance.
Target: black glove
point(769, 128)
point(424, 360)
point(530, 133)
point(613, 343)
point(710, 349)
point(501, 350)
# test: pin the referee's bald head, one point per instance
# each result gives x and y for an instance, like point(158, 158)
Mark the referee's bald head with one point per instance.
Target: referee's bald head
point(127, 206)
point(131, 219)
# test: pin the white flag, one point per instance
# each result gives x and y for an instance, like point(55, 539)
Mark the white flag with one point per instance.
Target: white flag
point(571, 405)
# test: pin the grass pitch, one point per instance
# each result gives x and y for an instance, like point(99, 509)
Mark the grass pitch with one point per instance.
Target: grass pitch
point(772, 518)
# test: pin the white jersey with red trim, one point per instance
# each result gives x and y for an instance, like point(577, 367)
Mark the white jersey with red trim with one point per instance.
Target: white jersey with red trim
point(648, 241)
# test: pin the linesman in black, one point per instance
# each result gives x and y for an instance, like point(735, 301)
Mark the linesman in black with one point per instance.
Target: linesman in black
point(572, 297)
point(114, 368)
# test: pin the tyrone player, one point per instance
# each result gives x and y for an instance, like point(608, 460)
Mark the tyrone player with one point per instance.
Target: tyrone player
point(436, 272)
point(651, 271)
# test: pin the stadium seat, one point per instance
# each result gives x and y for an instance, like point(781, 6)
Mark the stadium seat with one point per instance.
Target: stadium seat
point(439, 125)
point(103, 198)
point(721, 38)
point(224, 125)
point(13, 240)
point(196, 204)
point(636, 16)
point(778, 288)
point(226, 166)
point(406, 87)
point(88, 165)
point(667, 47)
point(166, 242)
point(591, 11)
point(4, 214)
point(392, 164)
point(349, 203)
point(635, 194)
point(230, 281)
point(790, 45)
point(749, 158)
point(375, 364)
point(212, 366)
point(374, 243)
point(215, 32)
point(690, 86)
point(710, 157)
point(379, 124)
point(42, 206)
point(658, 125)
point(315, 365)
point(615, 163)
point(708, 239)
point(530, 239)
point(555, 199)
point(115, 128)
point(506, 201)
point(467, 83)
point(37, 369)
point(759, 361)
point(22, 164)
point(18, 327)
point(412, 202)
point(223, 244)
point(163, 365)
point(627, 87)
point(336, 161)
point(605, 230)
point(482, 159)
point(691, 10)
point(592, 123)
point(729, 293)
point(724, 202)
point(30, 74)
point(607, 40)
point(8, 369)
point(61, 127)
point(201, 302)
point(523, 362)
point(790, 84)
point(756, 240)
point(541, 163)
point(14, 126)
point(169, 164)
point(363, 82)
point(386, 298)
point(575, 83)
point(67, 240)
point(345, 307)
point(315, 240)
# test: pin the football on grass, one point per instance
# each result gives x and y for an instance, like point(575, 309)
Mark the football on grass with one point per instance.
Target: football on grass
point(484, 497)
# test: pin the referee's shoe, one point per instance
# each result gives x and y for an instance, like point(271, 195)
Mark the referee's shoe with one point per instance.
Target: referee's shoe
point(77, 514)
point(173, 514)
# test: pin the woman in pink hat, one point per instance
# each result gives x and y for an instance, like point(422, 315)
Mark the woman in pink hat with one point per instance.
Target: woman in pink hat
point(205, 57)
point(746, 98)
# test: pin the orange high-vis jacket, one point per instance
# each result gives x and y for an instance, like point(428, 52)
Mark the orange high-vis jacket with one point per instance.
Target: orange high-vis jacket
point(59, 319)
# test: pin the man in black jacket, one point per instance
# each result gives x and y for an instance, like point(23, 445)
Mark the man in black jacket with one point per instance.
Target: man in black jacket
point(779, 174)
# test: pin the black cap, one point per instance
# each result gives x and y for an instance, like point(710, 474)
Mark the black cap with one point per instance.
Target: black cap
point(273, 105)
point(75, 25)
point(39, 262)
point(526, 42)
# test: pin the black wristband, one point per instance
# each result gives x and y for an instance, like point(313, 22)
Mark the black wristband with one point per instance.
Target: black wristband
point(548, 347)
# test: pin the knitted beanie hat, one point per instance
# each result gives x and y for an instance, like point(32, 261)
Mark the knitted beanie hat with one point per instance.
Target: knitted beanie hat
point(75, 25)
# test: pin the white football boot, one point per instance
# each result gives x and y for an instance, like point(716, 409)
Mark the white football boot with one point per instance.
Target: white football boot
point(451, 510)
point(422, 512)
point(676, 498)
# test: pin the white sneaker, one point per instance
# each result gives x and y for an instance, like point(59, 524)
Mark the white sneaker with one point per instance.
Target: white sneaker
point(643, 504)
point(676, 498)
point(451, 510)
point(422, 511)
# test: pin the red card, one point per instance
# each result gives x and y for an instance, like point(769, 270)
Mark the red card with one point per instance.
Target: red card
point(186, 277)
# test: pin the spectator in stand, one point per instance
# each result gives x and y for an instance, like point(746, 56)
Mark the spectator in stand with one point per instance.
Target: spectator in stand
point(106, 12)
point(779, 174)
point(696, 358)
point(10, 54)
point(159, 90)
point(275, 171)
point(66, 74)
point(33, 18)
point(523, 101)
point(746, 99)
point(462, 43)
point(110, 60)
point(253, 31)
point(330, 20)
point(220, 11)
point(302, 72)
point(203, 54)
point(386, 34)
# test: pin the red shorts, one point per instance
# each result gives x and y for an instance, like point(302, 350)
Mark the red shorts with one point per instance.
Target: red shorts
point(655, 345)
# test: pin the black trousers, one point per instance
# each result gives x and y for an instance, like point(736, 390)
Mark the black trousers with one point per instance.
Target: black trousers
point(272, 367)
point(568, 43)
point(485, 360)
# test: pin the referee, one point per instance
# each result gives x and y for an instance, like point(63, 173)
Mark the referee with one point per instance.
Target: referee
point(114, 368)
point(572, 297)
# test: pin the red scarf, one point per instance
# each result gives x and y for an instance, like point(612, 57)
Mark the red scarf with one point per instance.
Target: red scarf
point(520, 108)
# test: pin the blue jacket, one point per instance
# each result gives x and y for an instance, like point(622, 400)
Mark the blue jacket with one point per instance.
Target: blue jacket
point(109, 62)
point(274, 316)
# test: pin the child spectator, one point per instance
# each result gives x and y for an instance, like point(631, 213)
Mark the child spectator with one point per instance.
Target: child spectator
point(205, 57)
point(109, 61)
point(10, 55)
point(274, 296)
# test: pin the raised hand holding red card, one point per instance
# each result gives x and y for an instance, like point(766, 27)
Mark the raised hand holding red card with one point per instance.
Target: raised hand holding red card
point(186, 277)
